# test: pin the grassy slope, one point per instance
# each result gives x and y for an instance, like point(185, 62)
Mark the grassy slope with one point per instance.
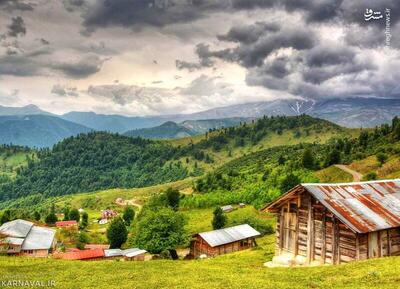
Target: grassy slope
point(333, 174)
point(237, 270)
point(9, 163)
point(389, 170)
point(271, 140)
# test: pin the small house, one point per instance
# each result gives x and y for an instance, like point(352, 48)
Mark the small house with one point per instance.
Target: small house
point(133, 254)
point(223, 241)
point(66, 224)
point(338, 223)
point(22, 237)
point(108, 214)
point(227, 208)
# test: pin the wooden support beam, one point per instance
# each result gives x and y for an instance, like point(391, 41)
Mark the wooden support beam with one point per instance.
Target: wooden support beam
point(310, 232)
point(281, 225)
point(296, 236)
point(323, 248)
point(379, 244)
point(357, 246)
point(389, 244)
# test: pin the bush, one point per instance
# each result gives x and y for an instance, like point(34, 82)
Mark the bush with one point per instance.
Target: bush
point(370, 176)
point(117, 233)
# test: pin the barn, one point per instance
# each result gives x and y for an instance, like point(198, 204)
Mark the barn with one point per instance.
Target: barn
point(223, 241)
point(338, 223)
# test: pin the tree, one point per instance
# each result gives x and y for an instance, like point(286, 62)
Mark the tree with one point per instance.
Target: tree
point(161, 230)
point(128, 215)
point(117, 233)
point(173, 198)
point(381, 158)
point(288, 182)
point(82, 240)
point(36, 216)
point(84, 220)
point(6, 217)
point(333, 157)
point(219, 220)
point(308, 159)
point(66, 214)
point(74, 215)
point(51, 218)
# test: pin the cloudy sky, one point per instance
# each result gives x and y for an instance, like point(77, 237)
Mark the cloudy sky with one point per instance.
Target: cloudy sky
point(147, 57)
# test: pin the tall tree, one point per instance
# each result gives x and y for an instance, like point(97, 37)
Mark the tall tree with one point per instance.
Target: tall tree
point(36, 216)
point(74, 215)
point(219, 219)
point(84, 220)
point(51, 218)
point(128, 215)
point(117, 233)
point(173, 198)
point(161, 230)
point(308, 159)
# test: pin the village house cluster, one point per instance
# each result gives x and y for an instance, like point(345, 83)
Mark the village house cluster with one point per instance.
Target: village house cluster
point(316, 224)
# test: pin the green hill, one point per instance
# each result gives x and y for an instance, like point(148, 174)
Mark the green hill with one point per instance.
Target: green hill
point(100, 160)
point(167, 130)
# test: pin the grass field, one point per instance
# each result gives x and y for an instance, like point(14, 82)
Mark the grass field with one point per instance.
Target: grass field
point(333, 174)
point(10, 162)
point(389, 170)
point(237, 270)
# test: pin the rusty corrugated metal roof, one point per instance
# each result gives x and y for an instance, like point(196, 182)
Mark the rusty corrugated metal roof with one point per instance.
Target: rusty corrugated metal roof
point(364, 206)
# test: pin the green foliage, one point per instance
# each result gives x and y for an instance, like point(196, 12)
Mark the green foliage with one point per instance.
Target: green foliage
point(36, 216)
point(51, 218)
point(381, 157)
point(173, 198)
point(370, 176)
point(66, 214)
point(81, 240)
point(288, 182)
point(308, 161)
point(5, 217)
point(219, 219)
point(128, 215)
point(117, 233)
point(161, 230)
point(84, 220)
point(96, 161)
point(74, 215)
point(263, 226)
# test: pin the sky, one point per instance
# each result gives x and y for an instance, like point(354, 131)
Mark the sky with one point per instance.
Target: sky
point(151, 57)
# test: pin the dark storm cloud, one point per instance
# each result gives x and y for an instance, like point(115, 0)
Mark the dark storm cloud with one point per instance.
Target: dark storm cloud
point(253, 49)
point(17, 27)
point(11, 5)
point(18, 66)
point(329, 55)
point(72, 5)
point(83, 68)
point(250, 33)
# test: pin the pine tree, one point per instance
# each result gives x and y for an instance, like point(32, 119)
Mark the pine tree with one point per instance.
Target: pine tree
point(219, 220)
point(84, 220)
point(173, 198)
point(51, 218)
point(308, 159)
point(74, 215)
point(128, 215)
point(117, 233)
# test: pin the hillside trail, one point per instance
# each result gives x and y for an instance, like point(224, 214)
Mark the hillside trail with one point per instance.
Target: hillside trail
point(356, 175)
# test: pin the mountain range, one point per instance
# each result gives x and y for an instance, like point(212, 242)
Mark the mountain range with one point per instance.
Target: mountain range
point(31, 126)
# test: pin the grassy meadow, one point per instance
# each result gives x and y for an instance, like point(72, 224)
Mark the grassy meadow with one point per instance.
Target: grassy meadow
point(237, 270)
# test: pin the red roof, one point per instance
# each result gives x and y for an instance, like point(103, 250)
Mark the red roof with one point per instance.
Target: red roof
point(82, 254)
point(66, 223)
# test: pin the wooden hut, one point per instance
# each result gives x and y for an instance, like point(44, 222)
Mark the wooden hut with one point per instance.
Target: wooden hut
point(223, 241)
point(337, 223)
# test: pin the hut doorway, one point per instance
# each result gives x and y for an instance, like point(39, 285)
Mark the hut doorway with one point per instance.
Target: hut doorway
point(289, 231)
point(373, 245)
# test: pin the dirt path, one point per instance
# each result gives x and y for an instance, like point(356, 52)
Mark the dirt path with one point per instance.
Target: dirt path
point(356, 175)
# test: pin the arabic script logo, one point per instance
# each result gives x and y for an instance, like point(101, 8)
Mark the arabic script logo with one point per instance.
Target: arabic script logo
point(370, 14)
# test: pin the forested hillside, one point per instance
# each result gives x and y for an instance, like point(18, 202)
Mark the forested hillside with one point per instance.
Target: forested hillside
point(260, 177)
point(100, 160)
point(93, 161)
